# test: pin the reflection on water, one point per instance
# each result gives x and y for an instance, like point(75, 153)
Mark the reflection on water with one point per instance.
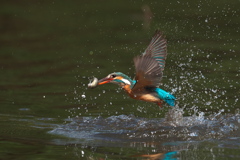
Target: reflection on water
point(166, 156)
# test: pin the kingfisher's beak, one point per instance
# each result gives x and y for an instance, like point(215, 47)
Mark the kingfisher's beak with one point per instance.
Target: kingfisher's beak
point(104, 80)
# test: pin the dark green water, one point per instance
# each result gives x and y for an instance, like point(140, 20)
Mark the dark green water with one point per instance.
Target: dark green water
point(50, 49)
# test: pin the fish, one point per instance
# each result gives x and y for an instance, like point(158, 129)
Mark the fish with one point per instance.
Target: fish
point(93, 83)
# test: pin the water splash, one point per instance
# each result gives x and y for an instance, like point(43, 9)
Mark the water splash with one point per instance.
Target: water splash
point(173, 127)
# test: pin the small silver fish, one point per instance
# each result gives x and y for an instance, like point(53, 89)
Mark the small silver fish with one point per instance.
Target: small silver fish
point(93, 83)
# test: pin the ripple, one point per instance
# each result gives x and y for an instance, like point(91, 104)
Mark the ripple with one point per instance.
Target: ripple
point(174, 126)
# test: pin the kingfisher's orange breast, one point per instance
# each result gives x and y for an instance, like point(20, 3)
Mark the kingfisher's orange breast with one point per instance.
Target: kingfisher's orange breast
point(141, 95)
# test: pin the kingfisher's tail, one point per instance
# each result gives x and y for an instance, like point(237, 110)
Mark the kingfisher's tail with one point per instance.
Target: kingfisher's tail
point(166, 96)
point(170, 99)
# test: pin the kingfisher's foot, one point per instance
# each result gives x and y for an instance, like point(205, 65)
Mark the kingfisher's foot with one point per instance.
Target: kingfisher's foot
point(160, 104)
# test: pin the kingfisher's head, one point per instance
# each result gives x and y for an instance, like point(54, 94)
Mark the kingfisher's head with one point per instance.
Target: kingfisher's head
point(116, 78)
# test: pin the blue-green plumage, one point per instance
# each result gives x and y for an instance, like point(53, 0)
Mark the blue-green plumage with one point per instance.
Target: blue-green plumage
point(164, 95)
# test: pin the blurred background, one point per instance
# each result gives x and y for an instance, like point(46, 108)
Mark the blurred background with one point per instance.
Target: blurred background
point(49, 50)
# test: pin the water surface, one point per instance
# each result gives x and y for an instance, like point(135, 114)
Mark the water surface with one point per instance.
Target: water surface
point(49, 50)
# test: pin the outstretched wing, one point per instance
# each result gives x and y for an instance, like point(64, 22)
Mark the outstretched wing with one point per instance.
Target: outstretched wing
point(150, 65)
point(157, 49)
point(148, 72)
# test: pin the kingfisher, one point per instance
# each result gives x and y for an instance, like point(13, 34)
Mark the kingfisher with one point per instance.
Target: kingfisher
point(149, 68)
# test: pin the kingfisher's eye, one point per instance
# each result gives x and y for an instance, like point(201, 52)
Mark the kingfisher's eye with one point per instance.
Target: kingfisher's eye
point(113, 76)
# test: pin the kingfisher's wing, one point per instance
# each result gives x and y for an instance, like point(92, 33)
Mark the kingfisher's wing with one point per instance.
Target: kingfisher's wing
point(157, 49)
point(148, 72)
point(150, 65)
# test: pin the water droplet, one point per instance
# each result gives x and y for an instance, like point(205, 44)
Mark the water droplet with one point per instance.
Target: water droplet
point(208, 103)
point(194, 134)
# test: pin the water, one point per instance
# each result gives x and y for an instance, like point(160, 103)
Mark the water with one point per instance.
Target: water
point(181, 137)
point(50, 50)
point(174, 127)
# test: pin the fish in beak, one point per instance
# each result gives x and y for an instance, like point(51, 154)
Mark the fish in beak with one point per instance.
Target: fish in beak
point(94, 82)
